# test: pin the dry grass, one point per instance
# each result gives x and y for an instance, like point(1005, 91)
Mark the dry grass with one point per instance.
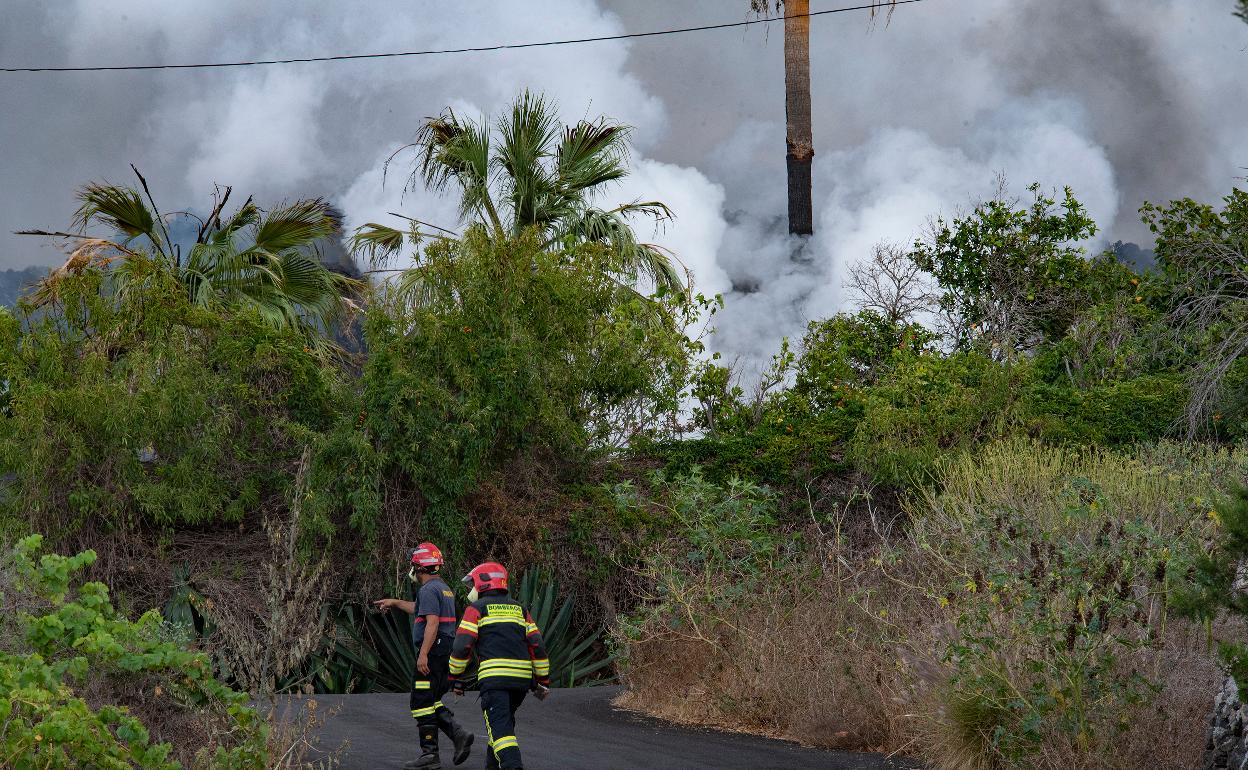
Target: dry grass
point(844, 648)
point(815, 654)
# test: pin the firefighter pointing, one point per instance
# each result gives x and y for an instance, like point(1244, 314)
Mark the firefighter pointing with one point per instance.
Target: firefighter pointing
point(433, 632)
point(512, 659)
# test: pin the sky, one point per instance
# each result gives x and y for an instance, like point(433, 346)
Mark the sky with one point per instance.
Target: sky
point(916, 116)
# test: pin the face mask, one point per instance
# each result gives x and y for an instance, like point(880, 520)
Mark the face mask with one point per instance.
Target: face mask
point(473, 595)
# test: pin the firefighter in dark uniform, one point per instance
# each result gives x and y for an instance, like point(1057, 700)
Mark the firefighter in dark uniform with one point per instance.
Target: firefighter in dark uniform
point(511, 659)
point(433, 633)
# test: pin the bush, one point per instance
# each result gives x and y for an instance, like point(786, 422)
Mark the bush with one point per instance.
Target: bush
point(929, 406)
point(138, 409)
point(1019, 622)
point(504, 351)
point(1125, 412)
point(70, 662)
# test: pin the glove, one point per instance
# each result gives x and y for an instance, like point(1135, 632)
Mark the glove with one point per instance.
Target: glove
point(457, 688)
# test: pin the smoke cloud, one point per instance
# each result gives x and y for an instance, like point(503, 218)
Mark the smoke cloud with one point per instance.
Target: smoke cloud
point(1124, 100)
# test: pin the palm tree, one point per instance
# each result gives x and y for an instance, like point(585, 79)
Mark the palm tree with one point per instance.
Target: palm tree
point(799, 135)
point(527, 171)
point(265, 260)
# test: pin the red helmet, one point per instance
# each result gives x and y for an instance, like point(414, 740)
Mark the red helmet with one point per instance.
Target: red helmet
point(489, 576)
point(427, 555)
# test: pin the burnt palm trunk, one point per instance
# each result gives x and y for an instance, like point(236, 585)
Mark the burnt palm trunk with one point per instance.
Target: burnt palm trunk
point(799, 139)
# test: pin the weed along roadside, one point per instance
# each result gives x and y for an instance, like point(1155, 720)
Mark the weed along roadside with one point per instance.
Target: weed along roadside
point(489, 487)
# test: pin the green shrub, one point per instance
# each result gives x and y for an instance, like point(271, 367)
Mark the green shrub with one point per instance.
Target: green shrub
point(1053, 568)
point(69, 641)
point(712, 545)
point(1124, 412)
point(1045, 623)
point(136, 409)
point(929, 406)
point(506, 350)
point(1213, 588)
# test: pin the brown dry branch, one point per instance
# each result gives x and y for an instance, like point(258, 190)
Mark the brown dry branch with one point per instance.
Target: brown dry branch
point(891, 284)
point(263, 641)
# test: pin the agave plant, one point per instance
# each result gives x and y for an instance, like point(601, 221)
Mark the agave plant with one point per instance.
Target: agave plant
point(373, 652)
point(577, 656)
point(265, 260)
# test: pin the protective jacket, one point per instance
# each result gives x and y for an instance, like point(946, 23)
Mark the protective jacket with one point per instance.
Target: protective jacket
point(507, 642)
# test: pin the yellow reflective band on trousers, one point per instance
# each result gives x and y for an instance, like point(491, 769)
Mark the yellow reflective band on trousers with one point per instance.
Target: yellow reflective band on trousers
point(498, 744)
point(418, 713)
point(421, 685)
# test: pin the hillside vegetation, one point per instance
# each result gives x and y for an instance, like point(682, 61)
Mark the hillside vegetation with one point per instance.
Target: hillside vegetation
point(954, 523)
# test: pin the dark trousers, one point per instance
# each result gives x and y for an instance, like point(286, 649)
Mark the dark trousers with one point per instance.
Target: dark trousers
point(500, 725)
point(426, 700)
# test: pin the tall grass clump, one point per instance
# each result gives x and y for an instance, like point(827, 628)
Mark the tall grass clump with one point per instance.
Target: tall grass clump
point(1018, 619)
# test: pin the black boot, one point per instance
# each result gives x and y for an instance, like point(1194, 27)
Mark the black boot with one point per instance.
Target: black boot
point(426, 762)
point(459, 736)
point(429, 759)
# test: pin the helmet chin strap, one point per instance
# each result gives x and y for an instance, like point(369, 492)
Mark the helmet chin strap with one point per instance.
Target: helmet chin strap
point(411, 575)
point(473, 595)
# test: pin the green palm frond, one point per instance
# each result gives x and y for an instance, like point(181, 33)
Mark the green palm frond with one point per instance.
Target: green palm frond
point(296, 226)
point(412, 286)
point(528, 141)
point(119, 208)
point(612, 230)
point(247, 216)
point(379, 242)
point(267, 261)
point(450, 150)
point(592, 154)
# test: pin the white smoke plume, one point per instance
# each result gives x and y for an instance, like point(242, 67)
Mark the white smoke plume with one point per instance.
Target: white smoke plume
point(1124, 100)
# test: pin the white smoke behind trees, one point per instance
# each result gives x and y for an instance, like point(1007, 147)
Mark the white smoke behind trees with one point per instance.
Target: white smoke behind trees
point(1124, 100)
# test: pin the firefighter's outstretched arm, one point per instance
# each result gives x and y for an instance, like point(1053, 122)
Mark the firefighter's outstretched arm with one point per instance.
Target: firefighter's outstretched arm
point(537, 651)
point(461, 652)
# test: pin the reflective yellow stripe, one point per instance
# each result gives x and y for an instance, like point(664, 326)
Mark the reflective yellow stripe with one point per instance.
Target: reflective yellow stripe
point(505, 662)
point(420, 686)
point(457, 666)
point(541, 667)
point(506, 742)
point(417, 713)
point(532, 628)
point(506, 674)
point(487, 621)
point(466, 626)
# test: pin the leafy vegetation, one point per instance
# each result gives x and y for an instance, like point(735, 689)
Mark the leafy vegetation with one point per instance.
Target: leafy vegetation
point(527, 173)
point(954, 513)
point(76, 651)
point(264, 261)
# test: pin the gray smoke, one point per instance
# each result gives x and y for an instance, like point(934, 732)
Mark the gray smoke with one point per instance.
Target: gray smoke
point(1125, 100)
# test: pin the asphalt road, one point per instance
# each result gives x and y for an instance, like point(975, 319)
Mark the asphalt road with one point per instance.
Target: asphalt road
point(572, 730)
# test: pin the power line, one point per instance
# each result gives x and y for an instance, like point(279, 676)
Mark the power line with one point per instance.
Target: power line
point(442, 51)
